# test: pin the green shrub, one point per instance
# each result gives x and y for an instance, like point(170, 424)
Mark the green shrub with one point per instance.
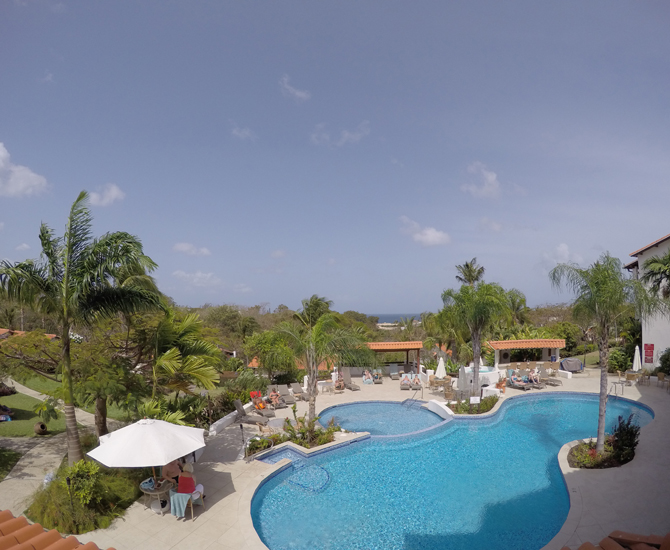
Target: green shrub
point(624, 440)
point(664, 361)
point(618, 361)
point(584, 455)
point(488, 403)
point(464, 407)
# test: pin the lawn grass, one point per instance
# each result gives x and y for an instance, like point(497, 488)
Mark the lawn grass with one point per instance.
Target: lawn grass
point(8, 460)
point(24, 420)
point(41, 384)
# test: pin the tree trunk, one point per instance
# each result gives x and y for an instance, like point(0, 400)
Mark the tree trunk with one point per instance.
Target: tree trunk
point(476, 354)
point(101, 416)
point(74, 452)
point(312, 388)
point(602, 407)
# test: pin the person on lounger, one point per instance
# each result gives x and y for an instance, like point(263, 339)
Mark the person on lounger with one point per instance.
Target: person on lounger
point(518, 380)
point(274, 396)
point(534, 377)
point(339, 385)
point(405, 381)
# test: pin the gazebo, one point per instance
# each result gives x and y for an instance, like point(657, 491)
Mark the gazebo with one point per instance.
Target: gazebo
point(384, 347)
point(550, 348)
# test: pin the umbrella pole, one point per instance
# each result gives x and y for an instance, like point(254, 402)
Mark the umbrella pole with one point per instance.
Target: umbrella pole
point(153, 469)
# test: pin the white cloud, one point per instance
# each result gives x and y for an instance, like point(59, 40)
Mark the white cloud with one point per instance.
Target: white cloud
point(491, 224)
point(109, 194)
point(198, 279)
point(48, 77)
point(191, 249)
point(23, 246)
point(17, 180)
point(279, 253)
point(489, 187)
point(426, 236)
point(362, 130)
point(560, 255)
point(320, 136)
point(242, 288)
point(243, 133)
point(290, 91)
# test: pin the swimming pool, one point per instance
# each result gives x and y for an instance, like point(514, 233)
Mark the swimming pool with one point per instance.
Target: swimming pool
point(433, 491)
point(381, 417)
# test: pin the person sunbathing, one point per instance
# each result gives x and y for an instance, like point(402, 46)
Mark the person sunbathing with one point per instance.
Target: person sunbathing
point(274, 396)
point(368, 376)
point(417, 381)
point(339, 385)
point(534, 377)
point(518, 380)
point(405, 381)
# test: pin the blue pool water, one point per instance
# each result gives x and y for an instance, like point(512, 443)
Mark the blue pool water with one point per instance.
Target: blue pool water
point(381, 417)
point(482, 483)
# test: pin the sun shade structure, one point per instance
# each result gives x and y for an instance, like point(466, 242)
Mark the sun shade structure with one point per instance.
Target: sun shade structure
point(146, 443)
point(550, 348)
point(382, 347)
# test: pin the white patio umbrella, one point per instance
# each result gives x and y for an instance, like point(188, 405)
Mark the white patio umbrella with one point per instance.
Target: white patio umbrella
point(147, 442)
point(637, 363)
point(441, 372)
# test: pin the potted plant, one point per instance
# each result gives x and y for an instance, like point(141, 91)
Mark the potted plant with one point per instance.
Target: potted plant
point(47, 411)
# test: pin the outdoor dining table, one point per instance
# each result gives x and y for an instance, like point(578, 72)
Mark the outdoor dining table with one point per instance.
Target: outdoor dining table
point(162, 489)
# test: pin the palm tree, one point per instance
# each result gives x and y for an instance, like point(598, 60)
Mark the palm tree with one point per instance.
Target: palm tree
point(312, 309)
point(470, 272)
point(517, 307)
point(656, 270)
point(603, 295)
point(322, 342)
point(74, 283)
point(478, 307)
point(182, 357)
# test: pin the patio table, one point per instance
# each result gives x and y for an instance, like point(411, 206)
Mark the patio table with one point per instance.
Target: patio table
point(162, 489)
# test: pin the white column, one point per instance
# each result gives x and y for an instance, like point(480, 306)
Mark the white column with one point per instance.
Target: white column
point(496, 360)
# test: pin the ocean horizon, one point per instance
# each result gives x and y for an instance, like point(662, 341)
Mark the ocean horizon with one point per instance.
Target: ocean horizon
point(394, 317)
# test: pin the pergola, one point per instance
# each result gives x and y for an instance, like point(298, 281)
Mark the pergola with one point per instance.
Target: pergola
point(383, 347)
point(549, 346)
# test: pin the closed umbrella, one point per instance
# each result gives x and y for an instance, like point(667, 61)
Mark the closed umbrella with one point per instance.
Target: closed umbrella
point(441, 372)
point(637, 363)
point(147, 442)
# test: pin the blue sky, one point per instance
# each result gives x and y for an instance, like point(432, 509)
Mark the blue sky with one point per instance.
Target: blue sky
point(268, 151)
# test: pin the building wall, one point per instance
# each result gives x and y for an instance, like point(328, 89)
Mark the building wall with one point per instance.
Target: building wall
point(655, 330)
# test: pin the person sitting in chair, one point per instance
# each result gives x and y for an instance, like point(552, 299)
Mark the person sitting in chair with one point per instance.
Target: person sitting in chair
point(534, 377)
point(188, 483)
point(367, 377)
point(274, 396)
point(416, 381)
point(171, 471)
point(405, 381)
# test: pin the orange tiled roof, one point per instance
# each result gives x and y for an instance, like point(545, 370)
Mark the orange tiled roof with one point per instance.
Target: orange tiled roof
point(6, 333)
point(395, 346)
point(659, 241)
point(527, 344)
point(15, 531)
point(254, 364)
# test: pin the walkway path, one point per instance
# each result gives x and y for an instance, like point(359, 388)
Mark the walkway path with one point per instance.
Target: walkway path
point(41, 456)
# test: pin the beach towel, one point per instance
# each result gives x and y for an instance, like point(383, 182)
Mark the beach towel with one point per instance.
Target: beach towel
point(178, 502)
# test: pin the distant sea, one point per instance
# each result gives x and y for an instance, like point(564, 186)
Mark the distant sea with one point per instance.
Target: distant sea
point(393, 317)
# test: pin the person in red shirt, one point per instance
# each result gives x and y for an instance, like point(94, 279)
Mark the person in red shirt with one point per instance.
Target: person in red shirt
point(187, 481)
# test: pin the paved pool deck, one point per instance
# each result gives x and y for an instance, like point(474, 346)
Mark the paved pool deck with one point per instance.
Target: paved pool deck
point(635, 497)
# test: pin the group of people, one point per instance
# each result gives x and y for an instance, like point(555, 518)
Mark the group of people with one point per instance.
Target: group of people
point(406, 380)
point(273, 398)
point(533, 377)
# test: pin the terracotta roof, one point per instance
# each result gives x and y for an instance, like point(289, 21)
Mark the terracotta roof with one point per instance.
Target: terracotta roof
point(6, 333)
point(630, 265)
point(254, 364)
point(395, 346)
point(527, 344)
point(17, 531)
point(655, 243)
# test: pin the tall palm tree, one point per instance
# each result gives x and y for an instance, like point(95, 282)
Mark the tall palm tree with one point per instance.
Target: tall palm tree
point(470, 273)
point(517, 307)
point(74, 283)
point(312, 309)
point(656, 271)
point(323, 342)
point(478, 307)
point(603, 295)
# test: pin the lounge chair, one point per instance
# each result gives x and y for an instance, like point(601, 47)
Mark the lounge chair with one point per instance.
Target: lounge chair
point(549, 380)
point(525, 374)
point(285, 394)
point(516, 384)
point(298, 392)
point(393, 371)
point(368, 380)
point(245, 418)
point(262, 408)
point(416, 383)
point(346, 375)
point(405, 382)
point(377, 376)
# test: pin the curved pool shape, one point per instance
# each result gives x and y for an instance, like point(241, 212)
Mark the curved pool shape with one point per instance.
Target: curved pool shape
point(381, 417)
point(470, 483)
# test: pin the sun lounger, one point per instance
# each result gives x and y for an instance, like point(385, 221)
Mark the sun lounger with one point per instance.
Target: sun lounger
point(405, 382)
point(346, 375)
point(393, 371)
point(515, 384)
point(285, 394)
point(245, 418)
point(377, 376)
point(263, 408)
point(416, 383)
point(298, 392)
point(549, 380)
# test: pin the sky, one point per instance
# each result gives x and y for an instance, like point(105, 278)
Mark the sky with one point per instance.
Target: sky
point(266, 151)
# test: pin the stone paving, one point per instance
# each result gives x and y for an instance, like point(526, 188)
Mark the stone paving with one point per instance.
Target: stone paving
point(634, 497)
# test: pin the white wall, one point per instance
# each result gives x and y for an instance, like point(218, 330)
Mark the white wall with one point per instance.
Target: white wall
point(655, 330)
